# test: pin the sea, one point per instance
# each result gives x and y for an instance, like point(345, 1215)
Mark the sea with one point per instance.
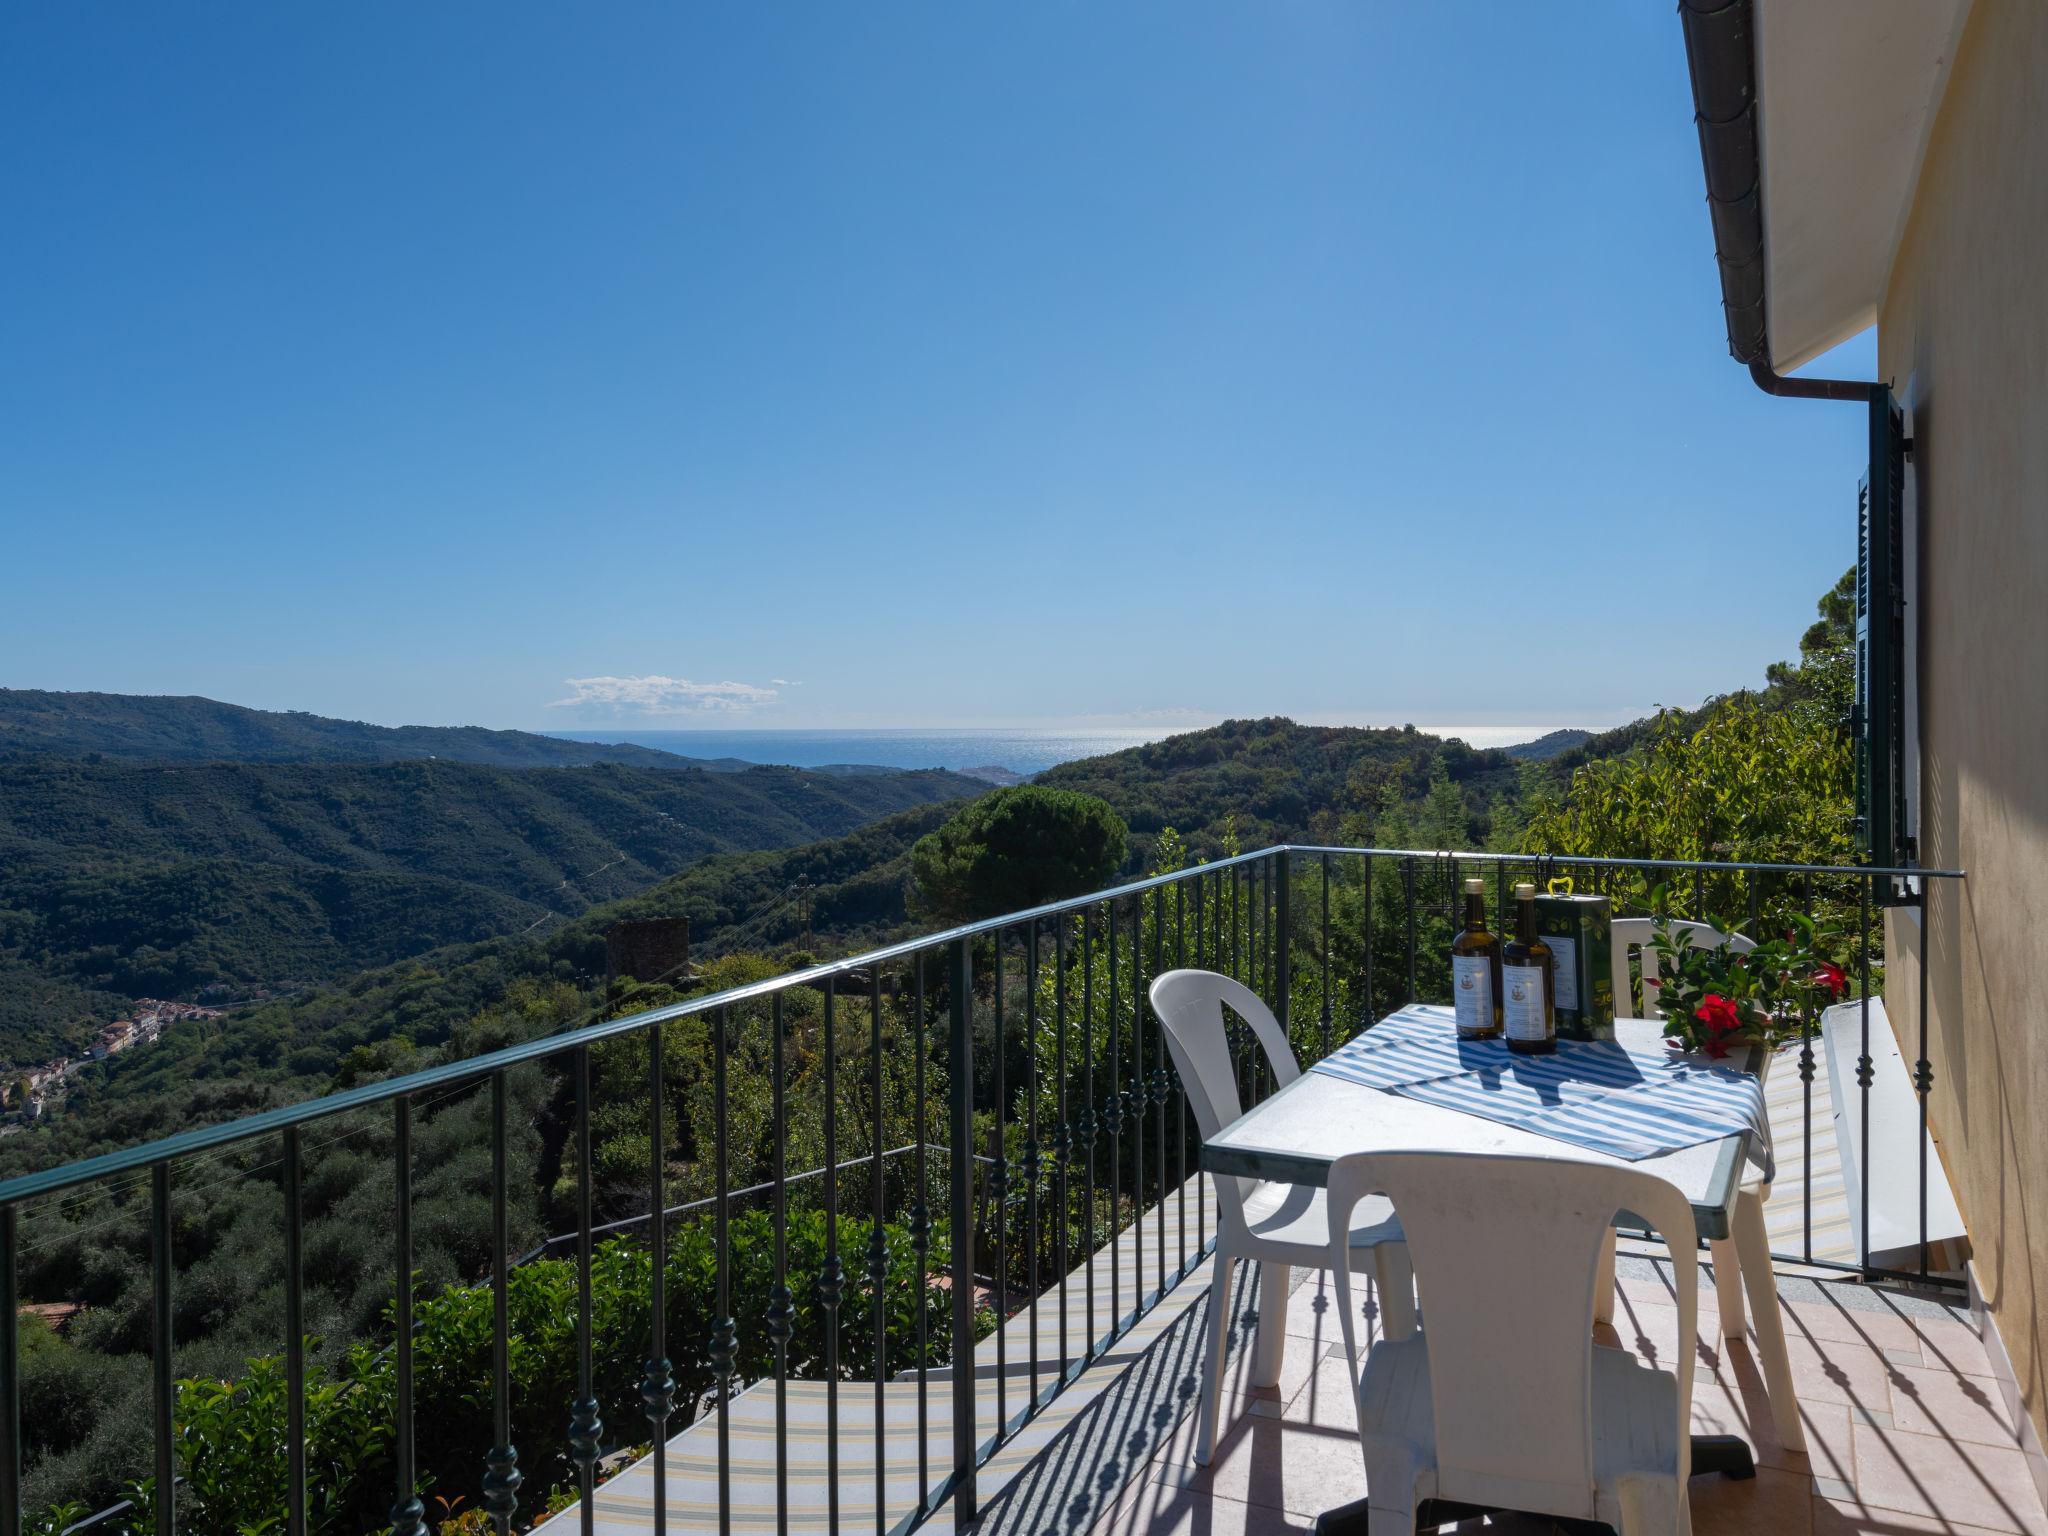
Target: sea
point(1022, 752)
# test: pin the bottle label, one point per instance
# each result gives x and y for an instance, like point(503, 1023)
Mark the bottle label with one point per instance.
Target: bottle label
point(1522, 1002)
point(1564, 972)
point(1472, 982)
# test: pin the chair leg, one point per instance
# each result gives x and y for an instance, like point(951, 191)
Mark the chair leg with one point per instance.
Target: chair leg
point(1603, 1283)
point(1654, 1506)
point(1395, 1276)
point(1390, 1473)
point(1728, 1285)
point(1753, 1246)
point(1221, 1272)
point(1275, 1282)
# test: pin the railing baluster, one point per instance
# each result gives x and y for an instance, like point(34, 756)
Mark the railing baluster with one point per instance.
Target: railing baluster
point(1159, 1080)
point(1031, 1144)
point(408, 1514)
point(723, 1349)
point(10, 1374)
point(1325, 945)
point(831, 1274)
point(1923, 1069)
point(502, 1475)
point(1113, 1122)
point(1372, 1011)
point(163, 1386)
point(1180, 960)
point(295, 1337)
point(781, 1304)
point(1806, 1074)
point(960, 1091)
point(1282, 921)
point(1864, 1072)
point(1063, 1138)
point(878, 1247)
point(1135, 1102)
point(657, 1380)
point(1408, 904)
point(999, 1200)
point(920, 1246)
point(1088, 1125)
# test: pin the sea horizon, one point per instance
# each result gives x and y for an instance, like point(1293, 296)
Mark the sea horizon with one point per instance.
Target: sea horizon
point(1024, 752)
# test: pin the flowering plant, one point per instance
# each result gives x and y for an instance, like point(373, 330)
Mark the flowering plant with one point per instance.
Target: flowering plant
point(1716, 996)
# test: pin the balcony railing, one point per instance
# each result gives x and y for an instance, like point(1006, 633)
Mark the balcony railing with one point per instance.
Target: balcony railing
point(1035, 1022)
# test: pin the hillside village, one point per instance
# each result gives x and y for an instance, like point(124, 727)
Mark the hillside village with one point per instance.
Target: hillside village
point(27, 1092)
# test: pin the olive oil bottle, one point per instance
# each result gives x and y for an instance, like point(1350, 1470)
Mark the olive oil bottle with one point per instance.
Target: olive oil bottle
point(1528, 1006)
point(1475, 970)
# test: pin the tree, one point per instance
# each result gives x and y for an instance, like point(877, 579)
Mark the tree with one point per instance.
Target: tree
point(1019, 847)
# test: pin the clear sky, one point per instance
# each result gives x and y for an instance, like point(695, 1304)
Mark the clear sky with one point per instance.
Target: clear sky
point(884, 365)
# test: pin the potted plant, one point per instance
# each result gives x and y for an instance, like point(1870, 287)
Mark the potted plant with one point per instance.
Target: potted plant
point(1715, 998)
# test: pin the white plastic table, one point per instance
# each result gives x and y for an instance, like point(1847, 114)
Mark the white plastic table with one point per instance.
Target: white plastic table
point(1294, 1136)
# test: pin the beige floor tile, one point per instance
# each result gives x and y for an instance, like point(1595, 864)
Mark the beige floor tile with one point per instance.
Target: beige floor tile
point(1327, 1401)
point(1272, 1463)
point(1950, 1346)
point(1154, 1509)
point(1737, 1410)
point(1312, 1310)
point(1815, 1321)
point(1846, 1517)
point(1831, 1372)
point(1772, 1503)
point(1960, 1407)
point(1955, 1480)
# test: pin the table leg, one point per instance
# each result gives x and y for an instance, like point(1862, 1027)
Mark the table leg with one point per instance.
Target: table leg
point(1753, 1253)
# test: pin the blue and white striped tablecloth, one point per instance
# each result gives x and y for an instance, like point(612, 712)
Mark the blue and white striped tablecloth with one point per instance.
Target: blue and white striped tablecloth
point(1595, 1094)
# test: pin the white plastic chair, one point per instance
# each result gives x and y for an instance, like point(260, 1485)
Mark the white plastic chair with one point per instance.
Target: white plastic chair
point(1635, 933)
point(1504, 1400)
point(1279, 1225)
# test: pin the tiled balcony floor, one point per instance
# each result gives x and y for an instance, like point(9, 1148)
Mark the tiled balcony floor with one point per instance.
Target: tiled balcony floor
point(1905, 1427)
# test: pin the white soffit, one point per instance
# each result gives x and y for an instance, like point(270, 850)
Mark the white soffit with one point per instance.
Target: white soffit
point(1847, 91)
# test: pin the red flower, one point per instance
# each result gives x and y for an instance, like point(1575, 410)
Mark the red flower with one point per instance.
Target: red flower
point(1829, 975)
point(1717, 1014)
point(1652, 981)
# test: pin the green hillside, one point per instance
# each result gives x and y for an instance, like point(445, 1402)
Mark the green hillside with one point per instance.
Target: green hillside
point(172, 729)
point(120, 880)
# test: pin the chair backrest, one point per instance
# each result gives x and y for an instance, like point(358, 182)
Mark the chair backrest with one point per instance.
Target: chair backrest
point(1190, 1005)
point(1506, 1253)
point(1634, 933)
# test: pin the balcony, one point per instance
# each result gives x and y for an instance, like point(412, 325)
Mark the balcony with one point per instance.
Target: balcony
point(802, 1344)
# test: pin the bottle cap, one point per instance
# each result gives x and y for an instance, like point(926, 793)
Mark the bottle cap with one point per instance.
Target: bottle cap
point(1524, 891)
point(1475, 887)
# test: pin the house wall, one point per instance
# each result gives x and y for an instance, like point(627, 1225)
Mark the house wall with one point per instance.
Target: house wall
point(1964, 325)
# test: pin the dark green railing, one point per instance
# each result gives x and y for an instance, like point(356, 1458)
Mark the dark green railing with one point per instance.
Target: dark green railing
point(1120, 1141)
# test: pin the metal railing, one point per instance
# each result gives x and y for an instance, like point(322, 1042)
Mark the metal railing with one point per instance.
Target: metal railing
point(1065, 1129)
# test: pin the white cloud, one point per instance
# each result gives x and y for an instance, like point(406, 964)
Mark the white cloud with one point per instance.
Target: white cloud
point(783, 682)
point(658, 695)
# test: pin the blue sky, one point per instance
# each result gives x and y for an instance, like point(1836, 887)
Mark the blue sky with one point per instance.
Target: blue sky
point(884, 365)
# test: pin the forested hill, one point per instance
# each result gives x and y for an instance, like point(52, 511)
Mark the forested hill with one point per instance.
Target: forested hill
point(1263, 781)
point(120, 880)
point(1276, 781)
point(169, 729)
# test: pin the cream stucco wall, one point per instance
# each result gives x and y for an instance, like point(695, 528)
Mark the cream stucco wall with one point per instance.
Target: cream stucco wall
point(1964, 325)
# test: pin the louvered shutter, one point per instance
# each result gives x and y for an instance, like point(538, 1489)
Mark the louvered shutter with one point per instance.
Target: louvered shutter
point(1881, 639)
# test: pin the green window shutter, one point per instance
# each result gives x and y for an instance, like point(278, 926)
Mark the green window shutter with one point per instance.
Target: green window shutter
point(1881, 639)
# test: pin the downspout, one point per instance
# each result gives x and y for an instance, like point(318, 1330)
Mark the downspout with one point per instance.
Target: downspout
point(1721, 58)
